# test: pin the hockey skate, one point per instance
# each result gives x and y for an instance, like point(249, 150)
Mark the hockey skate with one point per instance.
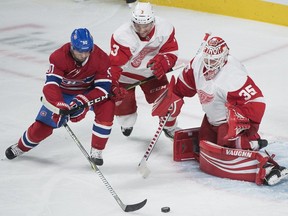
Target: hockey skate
point(169, 132)
point(126, 131)
point(96, 156)
point(262, 143)
point(258, 144)
point(13, 152)
point(130, 3)
point(276, 174)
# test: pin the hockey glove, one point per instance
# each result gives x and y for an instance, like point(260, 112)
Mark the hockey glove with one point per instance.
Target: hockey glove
point(119, 93)
point(61, 119)
point(237, 122)
point(176, 105)
point(160, 64)
point(168, 101)
point(80, 114)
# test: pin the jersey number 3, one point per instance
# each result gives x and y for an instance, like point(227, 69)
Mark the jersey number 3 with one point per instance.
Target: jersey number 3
point(114, 52)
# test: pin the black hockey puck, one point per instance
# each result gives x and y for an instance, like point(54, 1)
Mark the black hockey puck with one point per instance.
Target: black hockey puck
point(165, 209)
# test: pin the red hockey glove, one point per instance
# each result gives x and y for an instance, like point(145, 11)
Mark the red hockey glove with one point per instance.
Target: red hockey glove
point(168, 101)
point(61, 119)
point(237, 122)
point(80, 114)
point(160, 64)
point(119, 93)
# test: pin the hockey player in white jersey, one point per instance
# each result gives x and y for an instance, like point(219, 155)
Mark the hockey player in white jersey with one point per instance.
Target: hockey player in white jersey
point(233, 105)
point(143, 47)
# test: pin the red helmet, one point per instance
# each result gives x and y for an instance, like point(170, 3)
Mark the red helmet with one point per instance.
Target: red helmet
point(215, 54)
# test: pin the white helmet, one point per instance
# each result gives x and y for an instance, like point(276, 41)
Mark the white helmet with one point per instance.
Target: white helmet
point(143, 13)
point(215, 56)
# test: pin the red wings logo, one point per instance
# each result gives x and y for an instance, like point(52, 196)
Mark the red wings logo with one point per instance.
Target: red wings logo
point(144, 52)
point(204, 97)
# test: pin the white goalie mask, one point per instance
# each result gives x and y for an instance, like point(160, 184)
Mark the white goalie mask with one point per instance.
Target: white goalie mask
point(143, 13)
point(215, 54)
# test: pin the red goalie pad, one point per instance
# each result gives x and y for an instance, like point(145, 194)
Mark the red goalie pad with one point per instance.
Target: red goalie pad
point(186, 144)
point(234, 164)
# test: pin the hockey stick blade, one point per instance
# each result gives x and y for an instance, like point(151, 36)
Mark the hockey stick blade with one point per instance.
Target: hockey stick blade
point(135, 207)
point(126, 208)
point(143, 168)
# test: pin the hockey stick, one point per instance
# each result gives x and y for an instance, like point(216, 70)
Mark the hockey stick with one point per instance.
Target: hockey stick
point(142, 166)
point(58, 111)
point(125, 208)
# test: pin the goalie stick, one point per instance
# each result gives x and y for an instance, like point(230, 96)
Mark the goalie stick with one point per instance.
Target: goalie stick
point(58, 111)
point(142, 166)
point(125, 208)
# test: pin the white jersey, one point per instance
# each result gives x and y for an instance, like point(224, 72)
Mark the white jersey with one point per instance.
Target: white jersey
point(140, 51)
point(213, 93)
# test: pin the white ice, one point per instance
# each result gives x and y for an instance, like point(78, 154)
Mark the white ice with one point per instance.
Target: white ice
point(55, 179)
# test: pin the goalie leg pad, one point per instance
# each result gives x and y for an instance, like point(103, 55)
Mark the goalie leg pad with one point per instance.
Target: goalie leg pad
point(236, 164)
point(186, 144)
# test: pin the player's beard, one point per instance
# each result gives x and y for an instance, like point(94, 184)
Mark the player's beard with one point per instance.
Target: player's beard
point(77, 60)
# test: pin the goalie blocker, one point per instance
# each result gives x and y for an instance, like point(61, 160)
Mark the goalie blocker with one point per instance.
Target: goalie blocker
point(236, 164)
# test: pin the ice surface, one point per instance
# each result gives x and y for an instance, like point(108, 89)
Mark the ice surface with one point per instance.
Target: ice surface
point(55, 179)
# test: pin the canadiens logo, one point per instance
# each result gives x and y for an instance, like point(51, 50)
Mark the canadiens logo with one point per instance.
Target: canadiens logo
point(43, 113)
point(136, 62)
point(204, 97)
point(239, 153)
point(68, 82)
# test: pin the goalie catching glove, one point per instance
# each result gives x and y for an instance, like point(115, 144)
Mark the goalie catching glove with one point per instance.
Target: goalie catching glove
point(168, 101)
point(237, 122)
